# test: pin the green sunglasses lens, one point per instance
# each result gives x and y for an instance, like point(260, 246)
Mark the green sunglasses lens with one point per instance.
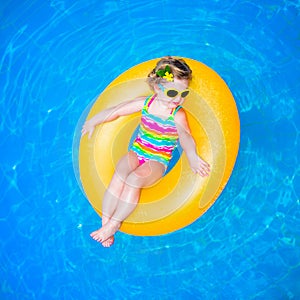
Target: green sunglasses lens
point(172, 93)
point(184, 94)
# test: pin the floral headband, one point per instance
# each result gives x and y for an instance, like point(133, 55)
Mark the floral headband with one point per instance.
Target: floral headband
point(166, 73)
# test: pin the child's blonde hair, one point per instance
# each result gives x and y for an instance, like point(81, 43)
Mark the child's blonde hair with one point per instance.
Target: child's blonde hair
point(178, 66)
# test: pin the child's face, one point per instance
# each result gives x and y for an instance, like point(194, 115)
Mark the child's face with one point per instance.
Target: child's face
point(166, 91)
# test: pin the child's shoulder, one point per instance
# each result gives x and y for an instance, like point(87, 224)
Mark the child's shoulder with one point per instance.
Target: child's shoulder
point(180, 115)
point(180, 111)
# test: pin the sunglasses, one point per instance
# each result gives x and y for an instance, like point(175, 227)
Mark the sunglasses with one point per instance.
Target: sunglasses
point(173, 92)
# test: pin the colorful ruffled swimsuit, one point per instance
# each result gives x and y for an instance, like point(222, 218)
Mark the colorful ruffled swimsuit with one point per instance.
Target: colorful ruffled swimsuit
point(157, 137)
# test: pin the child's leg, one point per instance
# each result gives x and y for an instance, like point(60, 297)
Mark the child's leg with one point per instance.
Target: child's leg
point(143, 176)
point(125, 166)
point(111, 197)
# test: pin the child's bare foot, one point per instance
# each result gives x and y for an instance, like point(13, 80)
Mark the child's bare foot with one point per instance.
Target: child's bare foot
point(105, 232)
point(109, 242)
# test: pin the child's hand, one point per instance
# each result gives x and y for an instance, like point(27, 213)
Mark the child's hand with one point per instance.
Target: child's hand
point(199, 166)
point(88, 127)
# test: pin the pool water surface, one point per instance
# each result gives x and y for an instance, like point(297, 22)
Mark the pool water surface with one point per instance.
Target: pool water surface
point(56, 57)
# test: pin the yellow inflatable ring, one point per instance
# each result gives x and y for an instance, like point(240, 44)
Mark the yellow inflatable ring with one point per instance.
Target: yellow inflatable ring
point(180, 197)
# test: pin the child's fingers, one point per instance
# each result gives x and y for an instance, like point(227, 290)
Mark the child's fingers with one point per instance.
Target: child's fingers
point(206, 166)
point(90, 133)
point(203, 172)
point(200, 172)
point(83, 132)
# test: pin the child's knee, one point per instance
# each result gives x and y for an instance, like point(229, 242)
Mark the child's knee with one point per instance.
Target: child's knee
point(134, 181)
point(144, 176)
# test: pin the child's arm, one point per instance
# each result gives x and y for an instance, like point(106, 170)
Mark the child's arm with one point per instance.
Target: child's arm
point(198, 165)
point(110, 114)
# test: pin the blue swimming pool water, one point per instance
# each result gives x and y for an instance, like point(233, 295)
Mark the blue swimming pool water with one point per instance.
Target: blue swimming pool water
point(55, 58)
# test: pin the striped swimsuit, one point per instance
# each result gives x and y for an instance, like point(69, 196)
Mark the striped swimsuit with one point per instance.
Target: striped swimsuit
point(157, 137)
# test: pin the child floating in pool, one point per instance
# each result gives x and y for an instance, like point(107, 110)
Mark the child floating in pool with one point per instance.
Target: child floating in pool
point(163, 122)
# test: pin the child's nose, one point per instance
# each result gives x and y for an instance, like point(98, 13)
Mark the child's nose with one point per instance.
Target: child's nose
point(177, 99)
